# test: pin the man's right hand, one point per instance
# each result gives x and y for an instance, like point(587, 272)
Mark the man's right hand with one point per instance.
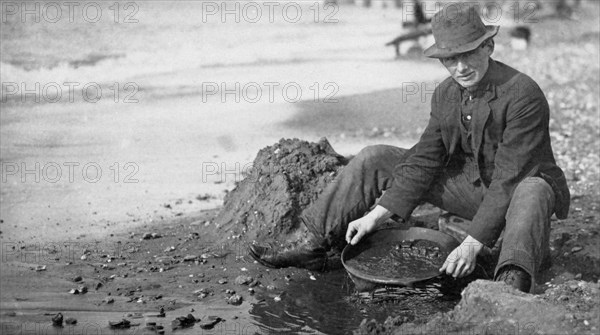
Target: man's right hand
point(359, 228)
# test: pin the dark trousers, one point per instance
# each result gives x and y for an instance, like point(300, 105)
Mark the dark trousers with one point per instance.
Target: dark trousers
point(359, 185)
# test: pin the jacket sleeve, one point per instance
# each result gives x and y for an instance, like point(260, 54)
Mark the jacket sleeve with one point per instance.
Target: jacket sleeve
point(413, 177)
point(527, 120)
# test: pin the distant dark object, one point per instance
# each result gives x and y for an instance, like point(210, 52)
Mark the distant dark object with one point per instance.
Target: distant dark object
point(414, 35)
point(564, 8)
point(419, 17)
point(520, 37)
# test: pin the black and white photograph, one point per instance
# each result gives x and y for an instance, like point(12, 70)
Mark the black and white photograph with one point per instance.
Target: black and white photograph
point(253, 167)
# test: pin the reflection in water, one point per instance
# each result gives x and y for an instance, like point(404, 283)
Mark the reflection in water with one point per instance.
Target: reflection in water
point(329, 305)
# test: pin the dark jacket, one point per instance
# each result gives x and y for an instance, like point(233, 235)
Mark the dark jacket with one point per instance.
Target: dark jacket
point(511, 141)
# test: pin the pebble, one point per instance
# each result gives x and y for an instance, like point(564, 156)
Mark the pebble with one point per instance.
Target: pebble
point(222, 281)
point(190, 258)
point(71, 321)
point(586, 322)
point(183, 322)
point(57, 320)
point(108, 300)
point(277, 298)
point(235, 300)
point(210, 322)
point(83, 257)
point(77, 279)
point(576, 249)
point(122, 324)
point(202, 290)
point(40, 268)
point(243, 280)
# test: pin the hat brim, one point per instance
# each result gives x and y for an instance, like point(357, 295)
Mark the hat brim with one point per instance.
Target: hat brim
point(435, 52)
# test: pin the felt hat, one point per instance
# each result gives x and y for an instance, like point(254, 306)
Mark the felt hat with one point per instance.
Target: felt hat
point(457, 31)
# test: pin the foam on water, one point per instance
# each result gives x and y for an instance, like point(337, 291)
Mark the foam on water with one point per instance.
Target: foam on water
point(170, 38)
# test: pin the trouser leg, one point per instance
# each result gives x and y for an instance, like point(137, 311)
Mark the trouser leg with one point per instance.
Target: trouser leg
point(453, 193)
point(527, 231)
point(353, 192)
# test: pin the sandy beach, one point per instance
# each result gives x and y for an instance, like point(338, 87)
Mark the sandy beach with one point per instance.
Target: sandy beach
point(141, 120)
point(151, 147)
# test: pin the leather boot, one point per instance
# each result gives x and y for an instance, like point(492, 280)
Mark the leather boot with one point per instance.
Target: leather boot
point(306, 252)
point(515, 277)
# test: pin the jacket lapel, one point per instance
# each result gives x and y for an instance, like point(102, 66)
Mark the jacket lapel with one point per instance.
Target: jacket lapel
point(452, 115)
point(481, 116)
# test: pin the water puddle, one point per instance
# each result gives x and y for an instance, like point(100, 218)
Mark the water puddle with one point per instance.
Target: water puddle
point(306, 304)
point(330, 305)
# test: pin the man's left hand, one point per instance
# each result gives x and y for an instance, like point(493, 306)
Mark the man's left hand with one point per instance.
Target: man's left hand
point(463, 259)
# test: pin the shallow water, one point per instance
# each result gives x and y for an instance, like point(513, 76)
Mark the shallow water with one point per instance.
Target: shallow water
point(330, 305)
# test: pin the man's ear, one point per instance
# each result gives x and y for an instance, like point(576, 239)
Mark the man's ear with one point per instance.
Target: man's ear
point(489, 46)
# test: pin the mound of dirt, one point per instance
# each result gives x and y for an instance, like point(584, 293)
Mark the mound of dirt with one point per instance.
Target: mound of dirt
point(285, 178)
point(490, 307)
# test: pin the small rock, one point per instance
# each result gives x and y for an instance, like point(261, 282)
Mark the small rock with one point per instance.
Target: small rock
point(576, 249)
point(146, 236)
point(183, 322)
point(122, 324)
point(190, 258)
point(108, 300)
point(156, 235)
point(222, 281)
point(40, 268)
point(243, 280)
point(235, 300)
point(251, 290)
point(57, 320)
point(77, 279)
point(277, 298)
point(71, 321)
point(83, 257)
point(83, 289)
point(202, 290)
point(210, 322)
point(230, 292)
point(270, 287)
point(169, 249)
point(578, 276)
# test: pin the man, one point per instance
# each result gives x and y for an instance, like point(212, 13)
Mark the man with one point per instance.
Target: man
point(485, 156)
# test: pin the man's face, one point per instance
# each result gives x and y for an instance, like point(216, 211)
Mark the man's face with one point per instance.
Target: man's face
point(469, 68)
